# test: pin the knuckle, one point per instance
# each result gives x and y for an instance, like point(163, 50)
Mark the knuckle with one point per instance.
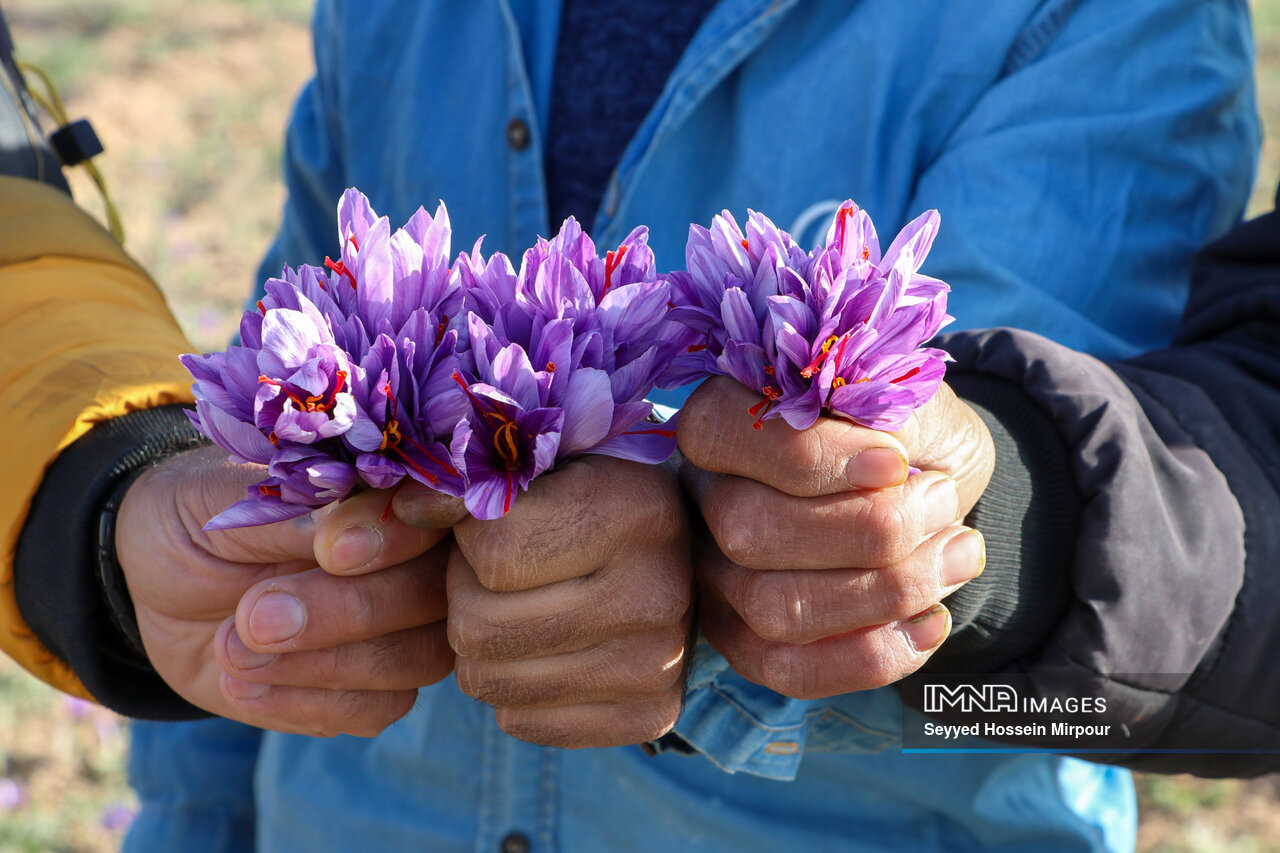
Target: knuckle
point(474, 682)
point(898, 594)
point(655, 719)
point(470, 634)
point(531, 728)
point(885, 527)
point(772, 605)
point(745, 544)
point(491, 557)
point(361, 614)
point(666, 600)
point(784, 669)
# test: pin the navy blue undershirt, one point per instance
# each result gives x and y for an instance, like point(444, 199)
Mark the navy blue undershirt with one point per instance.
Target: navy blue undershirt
point(612, 60)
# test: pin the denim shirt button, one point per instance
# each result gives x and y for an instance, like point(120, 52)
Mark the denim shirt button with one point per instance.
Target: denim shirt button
point(515, 842)
point(518, 135)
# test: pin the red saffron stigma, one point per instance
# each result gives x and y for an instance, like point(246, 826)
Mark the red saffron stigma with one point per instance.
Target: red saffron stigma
point(842, 218)
point(268, 491)
point(665, 433)
point(697, 347)
point(746, 245)
point(612, 260)
point(262, 308)
point(341, 269)
point(912, 372)
point(551, 367)
point(386, 511)
point(444, 324)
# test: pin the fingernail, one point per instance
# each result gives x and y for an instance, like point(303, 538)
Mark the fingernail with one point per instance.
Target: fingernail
point(941, 504)
point(276, 617)
point(964, 557)
point(876, 468)
point(243, 690)
point(355, 548)
point(927, 630)
point(242, 657)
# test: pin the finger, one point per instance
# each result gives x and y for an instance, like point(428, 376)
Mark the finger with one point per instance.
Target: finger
point(626, 598)
point(592, 725)
point(946, 435)
point(419, 506)
point(762, 528)
point(572, 521)
point(199, 484)
point(800, 607)
point(317, 610)
point(361, 535)
point(717, 433)
point(312, 711)
point(404, 660)
point(644, 665)
point(860, 660)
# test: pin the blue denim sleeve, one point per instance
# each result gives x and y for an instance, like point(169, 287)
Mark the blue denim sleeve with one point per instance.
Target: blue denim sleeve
point(1118, 139)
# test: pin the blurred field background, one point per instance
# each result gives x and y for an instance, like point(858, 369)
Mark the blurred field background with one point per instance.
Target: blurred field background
point(190, 100)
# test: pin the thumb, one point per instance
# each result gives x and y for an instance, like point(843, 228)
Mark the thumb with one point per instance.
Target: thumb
point(947, 435)
point(197, 485)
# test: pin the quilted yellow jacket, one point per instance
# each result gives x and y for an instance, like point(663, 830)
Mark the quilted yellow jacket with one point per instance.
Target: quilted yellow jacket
point(85, 335)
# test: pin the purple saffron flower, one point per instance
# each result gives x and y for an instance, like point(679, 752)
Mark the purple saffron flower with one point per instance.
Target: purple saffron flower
point(342, 377)
point(117, 817)
point(558, 360)
point(12, 795)
point(837, 331)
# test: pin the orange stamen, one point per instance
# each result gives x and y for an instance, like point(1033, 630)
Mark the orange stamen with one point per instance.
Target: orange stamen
point(813, 366)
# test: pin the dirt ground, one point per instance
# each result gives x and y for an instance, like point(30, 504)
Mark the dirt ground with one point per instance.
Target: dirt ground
point(191, 99)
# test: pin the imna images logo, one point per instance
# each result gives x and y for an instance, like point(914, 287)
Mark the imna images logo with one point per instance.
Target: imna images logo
point(968, 698)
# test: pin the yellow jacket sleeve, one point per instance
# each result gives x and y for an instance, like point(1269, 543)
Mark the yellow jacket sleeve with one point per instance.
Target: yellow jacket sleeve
point(85, 335)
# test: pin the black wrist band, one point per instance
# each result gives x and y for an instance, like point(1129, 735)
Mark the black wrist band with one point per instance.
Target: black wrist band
point(114, 589)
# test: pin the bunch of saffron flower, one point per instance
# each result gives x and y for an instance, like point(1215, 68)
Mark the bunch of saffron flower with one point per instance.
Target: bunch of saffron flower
point(472, 379)
point(837, 331)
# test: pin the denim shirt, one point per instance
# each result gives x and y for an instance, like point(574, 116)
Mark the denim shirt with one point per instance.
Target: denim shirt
point(1077, 150)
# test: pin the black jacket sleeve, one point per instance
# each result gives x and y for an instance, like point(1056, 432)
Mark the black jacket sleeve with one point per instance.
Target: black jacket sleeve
point(1134, 521)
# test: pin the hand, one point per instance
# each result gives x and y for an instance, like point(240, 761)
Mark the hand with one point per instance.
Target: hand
point(570, 615)
point(826, 563)
point(214, 607)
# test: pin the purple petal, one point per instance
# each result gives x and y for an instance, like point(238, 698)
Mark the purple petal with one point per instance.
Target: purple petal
point(287, 337)
point(588, 411)
point(243, 441)
point(909, 248)
point(256, 510)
